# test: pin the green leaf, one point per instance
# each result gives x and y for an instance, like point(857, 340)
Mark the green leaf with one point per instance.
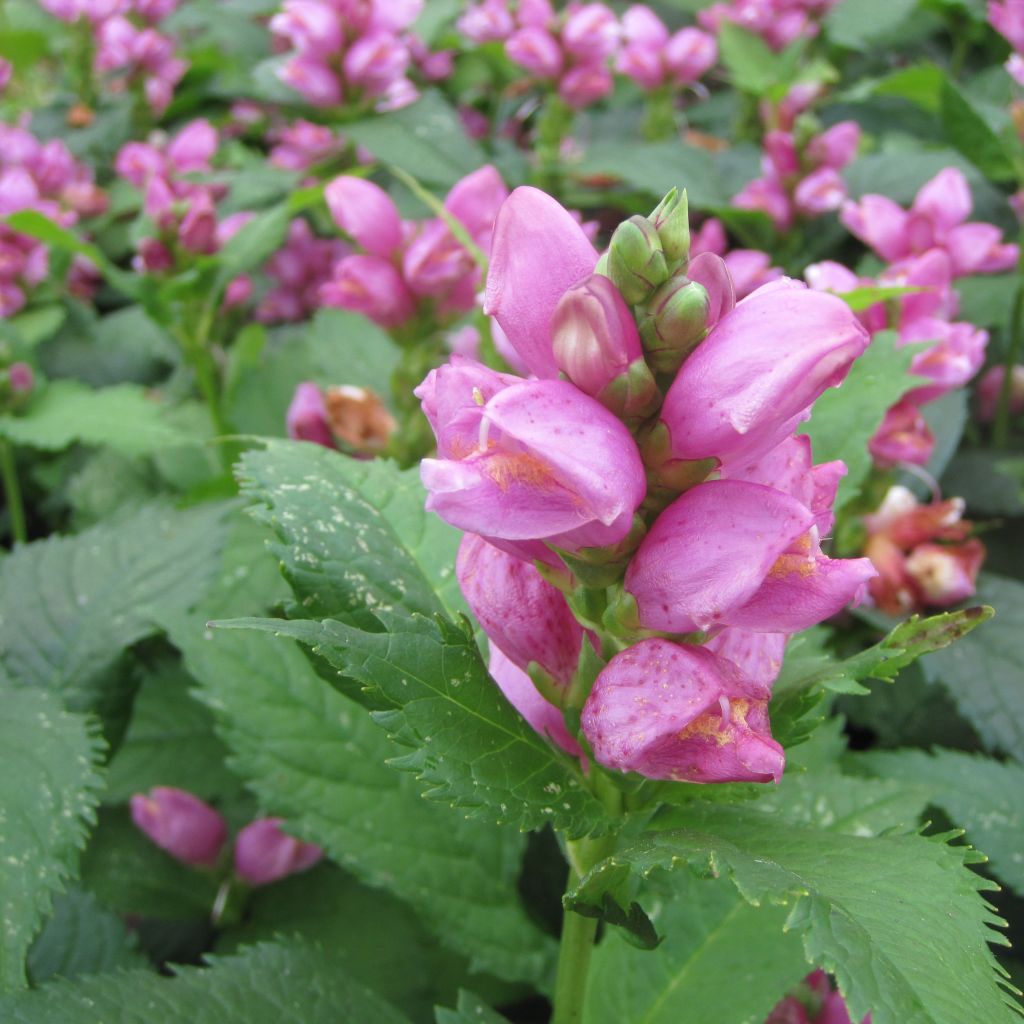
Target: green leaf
point(170, 742)
point(70, 605)
point(898, 919)
point(81, 937)
point(426, 139)
point(968, 132)
point(123, 417)
point(863, 24)
point(982, 673)
point(268, 984)
point(470, 1010)
point(985, 477)
point(752, 64)
point(48, 795)
point(315, 758)
point(919, 83)
point(130, 874)
point(984, 796)
point(391, 952)
point(987, 299)
point(722, 961)
point(355, 533)
point(860, 299)
point(469, 745)
point(256, 242)
point(845, 418)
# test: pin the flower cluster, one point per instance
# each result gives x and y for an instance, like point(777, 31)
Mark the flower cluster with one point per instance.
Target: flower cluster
point(801, 181)
point(45, 177)
point(654, 58)
point(642, 495)
point(406, 269)
point(298, 271)
point(194, 833)
point(928, 247)
point(748, 268)
point(924, 554)
point(349, 51)
point(571, 51)
point(777, 22)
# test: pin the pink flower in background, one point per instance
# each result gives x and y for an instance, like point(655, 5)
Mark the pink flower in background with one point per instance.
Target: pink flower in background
point(307, 416)
point(265, 854)
point(182, 824)
point(651, 56)
point(991, 385)
point(904, 436)
point(748, 268)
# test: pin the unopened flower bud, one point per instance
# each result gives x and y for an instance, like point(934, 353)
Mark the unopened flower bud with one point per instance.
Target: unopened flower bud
point(597, 346)
point(636, 262)
point(21, 378)
point(182, 824)
point(671, 218)
point(674, 323)
point(263, 853)
point(307, 416)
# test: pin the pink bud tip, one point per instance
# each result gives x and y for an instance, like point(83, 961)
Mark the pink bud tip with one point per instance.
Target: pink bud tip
point(264, 854)
point(182, 824)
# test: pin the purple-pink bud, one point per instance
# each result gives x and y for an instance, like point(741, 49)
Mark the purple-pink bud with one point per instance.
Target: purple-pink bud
point(585, 84)
point(904, 436)
point(642, 26)
point(836, 147)
point(193, 147)
point(756, 375)
point(537, 50)
point(537, 254)
point(689, 53)
point(264, 854)
point(538, 460)
point(521, 613)
point(307, 416)
point(372, 286)
point(182, 824)
point(20, 378)
point(366, 212)
point(376, 61)
point(312, 27)
point(312, 78)
point(679, 712)
point(822, 190)
point(591, 32)
point(475, 201)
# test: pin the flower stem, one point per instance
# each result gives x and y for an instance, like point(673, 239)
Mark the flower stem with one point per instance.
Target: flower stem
point(12, 492)
point(574, 951)
point(1001, 429)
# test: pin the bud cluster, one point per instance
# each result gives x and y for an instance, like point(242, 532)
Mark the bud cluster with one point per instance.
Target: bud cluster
point(193, 832)
point(643, 527)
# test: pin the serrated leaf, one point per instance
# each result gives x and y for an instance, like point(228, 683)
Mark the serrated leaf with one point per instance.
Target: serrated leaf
point(268, 984)
point(898, 919)
point(355, 533)
point(983, 674)
point(81, 937)
point(470, 1010)
point(48, 796)
point(120, 417)
point(315, 758)
point(70, 605)
point(844, 419)
point(468, 743)
point(986, 797)
point(721, 961)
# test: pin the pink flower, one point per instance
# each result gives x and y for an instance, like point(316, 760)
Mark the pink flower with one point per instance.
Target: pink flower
point(735, 553)
point(585, 84)
point(956, 356)
point(945, 574)
point(536, 50)
point(904, 436)
point(519, 691)
point(521, 613)
point(372, 286)
point(822, 190)
point(313, 79)
point(1007, 17)
point(835, 147)
point(475, 201)
point(591, 32)
point(767, 195)
point(375, 62)
point(307, 416)
point(311, 27)
point(193, 147)
point(756, 375)
point(689, 54)
point(486, 22)
point(366, 212)
point(182, 824)
point(264, 854)
point(675, 711)
point(538, 252)
point(528, 460)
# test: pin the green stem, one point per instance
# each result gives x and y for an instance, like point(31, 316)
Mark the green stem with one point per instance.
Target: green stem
point(553, 125)
point(12, 491)
point(1001, 430)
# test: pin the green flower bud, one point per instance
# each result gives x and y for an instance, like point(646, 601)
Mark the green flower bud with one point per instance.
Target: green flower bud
point(674, 322)
point(636, 263)
point(671, 218)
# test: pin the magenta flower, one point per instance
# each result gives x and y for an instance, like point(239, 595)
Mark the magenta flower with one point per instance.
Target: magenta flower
point(537, 50)
point(956, 356)
point(307, 416)
point(758, 656)
point(591, 32)
point(675, 711)
point(735, 553)
point(531, 460)
point(366, 212)
point(991, 385)
point(757, 374)
point(904, 436)
point(182, 824)
point(522, 614)
point(538, 252)
point(372, 286)
point(264, 854)
point(519, 691)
